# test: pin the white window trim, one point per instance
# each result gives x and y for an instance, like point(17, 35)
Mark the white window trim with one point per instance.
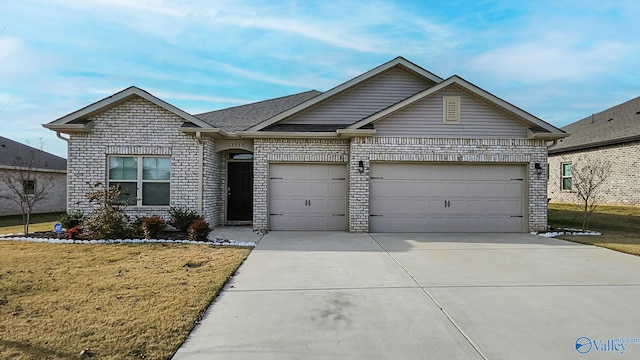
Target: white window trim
point(562, 176)
point(139, 180)
point(451, 109)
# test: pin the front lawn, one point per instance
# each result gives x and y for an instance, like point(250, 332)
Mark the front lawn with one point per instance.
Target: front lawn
point(116, 301)
point(619, 225)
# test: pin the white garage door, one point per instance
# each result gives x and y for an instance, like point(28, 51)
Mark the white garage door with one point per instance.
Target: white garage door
point(307, 197)
point(446, 198)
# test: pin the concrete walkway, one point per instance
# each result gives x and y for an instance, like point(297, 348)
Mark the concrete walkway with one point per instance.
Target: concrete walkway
point(335, 295)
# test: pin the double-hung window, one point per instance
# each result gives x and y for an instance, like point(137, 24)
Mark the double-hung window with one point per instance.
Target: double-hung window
point(566, 176)
point(143, 180)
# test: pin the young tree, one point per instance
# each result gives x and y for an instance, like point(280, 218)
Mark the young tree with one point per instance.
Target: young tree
point(25, 185)
point(587, 179)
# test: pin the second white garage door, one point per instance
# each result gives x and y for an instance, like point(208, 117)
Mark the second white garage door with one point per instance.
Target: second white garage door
point(446, 198)
point(307, 197)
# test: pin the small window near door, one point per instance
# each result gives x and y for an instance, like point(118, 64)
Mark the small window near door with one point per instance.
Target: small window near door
point(240, 156)
point(566, 176)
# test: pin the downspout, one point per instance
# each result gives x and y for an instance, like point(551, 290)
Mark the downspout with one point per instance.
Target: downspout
point(553, 143)
point(67, 171)
point(63, 138)
point(200, 170)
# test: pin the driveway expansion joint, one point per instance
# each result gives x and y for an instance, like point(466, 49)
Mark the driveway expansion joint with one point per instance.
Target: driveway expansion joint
point(444, 312)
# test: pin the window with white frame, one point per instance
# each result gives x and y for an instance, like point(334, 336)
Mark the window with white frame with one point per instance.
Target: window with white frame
point(143, 180)
point(567, 171)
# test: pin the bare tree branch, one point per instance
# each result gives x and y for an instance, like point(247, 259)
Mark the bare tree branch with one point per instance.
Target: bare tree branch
point(587, 180)
point(25, 185)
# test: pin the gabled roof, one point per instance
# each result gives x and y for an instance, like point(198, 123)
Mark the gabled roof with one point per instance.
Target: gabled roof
point(78, 120)
point(244, 116)
point(615, 125)
point(14, 154)
point(541, 128)
point(397, 62)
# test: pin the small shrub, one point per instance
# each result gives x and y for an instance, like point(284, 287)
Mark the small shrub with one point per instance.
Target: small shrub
point(70, 220)
point(73, 232)
point(199, 230)
point(108, 220)
point(152, 226)
point(182, 219)
point(135, 228)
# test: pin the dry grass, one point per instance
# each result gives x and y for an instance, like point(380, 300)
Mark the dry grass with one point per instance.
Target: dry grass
point(119, 301)
point(619, 225)
point(39, 222)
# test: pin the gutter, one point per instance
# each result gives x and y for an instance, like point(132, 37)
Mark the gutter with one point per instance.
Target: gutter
point(595, 144)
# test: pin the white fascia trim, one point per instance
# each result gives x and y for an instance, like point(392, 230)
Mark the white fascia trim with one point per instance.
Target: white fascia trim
point(350, 133)
point(34, 170)
point(70, 128)
point(344, 86)
point(283, 134)
point(545, 135)
point(98, 106)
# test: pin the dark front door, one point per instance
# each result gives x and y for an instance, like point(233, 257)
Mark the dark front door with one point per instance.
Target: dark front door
point(240, 191)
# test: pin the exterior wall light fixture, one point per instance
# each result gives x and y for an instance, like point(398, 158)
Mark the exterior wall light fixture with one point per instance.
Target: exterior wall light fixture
point(538, 168)
point(360, 166)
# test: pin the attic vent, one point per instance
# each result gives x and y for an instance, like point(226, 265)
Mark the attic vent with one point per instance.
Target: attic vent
point(451, 109)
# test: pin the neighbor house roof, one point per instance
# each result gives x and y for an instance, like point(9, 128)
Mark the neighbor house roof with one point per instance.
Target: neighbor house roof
point(242, 117)
point(14, 154)
point(618, 124)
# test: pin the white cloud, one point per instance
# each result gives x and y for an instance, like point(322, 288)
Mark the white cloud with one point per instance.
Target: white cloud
point(164, 94)
point(549, 59)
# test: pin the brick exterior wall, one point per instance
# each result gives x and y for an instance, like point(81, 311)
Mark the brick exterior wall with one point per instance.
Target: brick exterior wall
point(621, 188)
point(139, 127)
point(213, 184)
point(507, 151)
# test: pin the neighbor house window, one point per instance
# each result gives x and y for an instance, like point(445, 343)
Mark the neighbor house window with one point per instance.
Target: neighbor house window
point(29, 187)
point(566, 176)
point(143, 180)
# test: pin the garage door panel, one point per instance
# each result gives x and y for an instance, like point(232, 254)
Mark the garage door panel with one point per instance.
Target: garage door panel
point(307, 197)
point(447, 197)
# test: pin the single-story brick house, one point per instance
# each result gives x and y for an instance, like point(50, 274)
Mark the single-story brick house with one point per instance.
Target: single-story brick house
point(35, 169)
point(612, 135)
point(396, 149)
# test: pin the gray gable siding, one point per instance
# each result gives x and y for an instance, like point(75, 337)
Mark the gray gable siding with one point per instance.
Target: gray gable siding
point(365, 99)
point(423, 119)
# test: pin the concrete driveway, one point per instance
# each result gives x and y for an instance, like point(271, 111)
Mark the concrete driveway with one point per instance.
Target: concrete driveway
point(329, 295)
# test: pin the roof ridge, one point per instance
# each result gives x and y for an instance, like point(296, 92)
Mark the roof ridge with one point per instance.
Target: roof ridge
point(259, 102)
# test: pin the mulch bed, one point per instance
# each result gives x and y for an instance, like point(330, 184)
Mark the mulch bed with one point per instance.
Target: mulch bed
point(166, 235)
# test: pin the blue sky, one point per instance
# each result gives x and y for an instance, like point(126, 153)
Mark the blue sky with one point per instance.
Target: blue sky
point(560, 60)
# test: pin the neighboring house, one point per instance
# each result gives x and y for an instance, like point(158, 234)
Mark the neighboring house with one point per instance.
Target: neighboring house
point(15, 158)
point(396, 149)
point(612, 135)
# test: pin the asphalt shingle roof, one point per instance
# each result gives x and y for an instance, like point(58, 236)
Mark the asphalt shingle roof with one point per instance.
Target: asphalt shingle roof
point(618, 124)
point(242, 117)
point(13, 153)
